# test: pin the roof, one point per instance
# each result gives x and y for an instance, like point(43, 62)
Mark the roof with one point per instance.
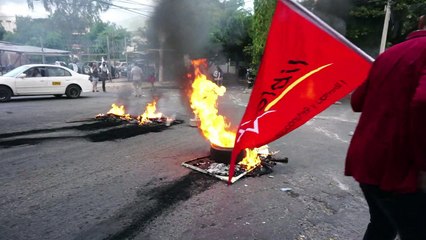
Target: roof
point(31, 50)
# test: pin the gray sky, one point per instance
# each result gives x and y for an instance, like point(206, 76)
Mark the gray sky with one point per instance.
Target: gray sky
point(116, 15)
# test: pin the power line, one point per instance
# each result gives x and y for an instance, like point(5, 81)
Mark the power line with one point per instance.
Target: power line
point(122, 7)
point(134, 3)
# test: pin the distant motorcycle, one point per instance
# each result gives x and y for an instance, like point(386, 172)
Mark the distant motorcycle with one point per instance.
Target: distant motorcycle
point(250, 77)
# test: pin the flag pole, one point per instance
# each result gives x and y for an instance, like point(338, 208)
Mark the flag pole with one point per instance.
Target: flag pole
point(385, 26)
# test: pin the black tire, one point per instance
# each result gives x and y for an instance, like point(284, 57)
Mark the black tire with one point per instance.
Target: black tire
point(5, 94)
point(223, 154)
point(73, 91)
point(58, 95)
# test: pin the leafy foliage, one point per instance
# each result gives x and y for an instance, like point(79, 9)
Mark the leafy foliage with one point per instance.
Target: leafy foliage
point(263, 11)
point(52, 34)
point(361, 21)
point(83, 9)
point(231, 36)
point(73, 15)
point(366, 18)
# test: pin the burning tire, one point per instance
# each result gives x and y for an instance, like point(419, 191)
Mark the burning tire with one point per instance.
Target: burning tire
point(73, 91)
point(5, 94)
point(223, 154)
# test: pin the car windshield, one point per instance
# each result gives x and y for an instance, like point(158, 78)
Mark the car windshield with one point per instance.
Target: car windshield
point(15, 72)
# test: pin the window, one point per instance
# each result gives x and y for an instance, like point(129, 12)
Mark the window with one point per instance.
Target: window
point(57, 72)
point(34, 72)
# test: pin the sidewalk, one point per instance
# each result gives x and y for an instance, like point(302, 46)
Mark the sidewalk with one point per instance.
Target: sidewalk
point(119, 82)
point(122, 82)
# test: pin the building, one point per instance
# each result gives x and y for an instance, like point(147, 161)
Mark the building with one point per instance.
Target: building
point(12, 55)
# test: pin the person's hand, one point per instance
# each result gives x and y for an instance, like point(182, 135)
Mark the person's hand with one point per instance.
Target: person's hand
point(422, 181)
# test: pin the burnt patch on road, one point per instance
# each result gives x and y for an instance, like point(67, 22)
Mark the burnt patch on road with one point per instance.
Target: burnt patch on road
point(127, 131)
point(99, 131)
point(133, 219)
point(83, 127)
point(165, 197)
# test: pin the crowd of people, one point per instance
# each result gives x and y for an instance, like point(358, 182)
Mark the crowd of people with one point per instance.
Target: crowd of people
point(138, 74)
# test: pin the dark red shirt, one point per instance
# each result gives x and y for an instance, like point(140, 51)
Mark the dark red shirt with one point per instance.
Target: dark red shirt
point(388, 148)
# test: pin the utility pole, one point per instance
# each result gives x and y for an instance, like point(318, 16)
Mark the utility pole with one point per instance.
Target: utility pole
point(385, 26)
point(108, 57)
point(162, 38)
point(125, 47)
point(43, 60)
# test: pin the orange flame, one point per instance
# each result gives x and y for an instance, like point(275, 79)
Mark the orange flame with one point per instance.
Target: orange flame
point(204, 104)
point(214, 127)
point(147, 117)
point(150, 113)
point(251, 160)
point(119, 111)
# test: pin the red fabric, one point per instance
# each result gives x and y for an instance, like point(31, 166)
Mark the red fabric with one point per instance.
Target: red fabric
point(389, 144)
point(305, 68)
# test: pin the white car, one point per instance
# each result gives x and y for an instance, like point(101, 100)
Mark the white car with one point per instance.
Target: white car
point(43, 79)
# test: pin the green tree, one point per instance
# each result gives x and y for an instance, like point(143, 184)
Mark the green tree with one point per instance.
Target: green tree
point(361, 21)
point(102, 32)
point(83, 9)
point(367, 17)
point(230, 36)
point(73, 17)
point(35, 32)
point(263, 11)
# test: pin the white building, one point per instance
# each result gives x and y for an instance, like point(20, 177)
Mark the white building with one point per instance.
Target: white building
point(8, 22)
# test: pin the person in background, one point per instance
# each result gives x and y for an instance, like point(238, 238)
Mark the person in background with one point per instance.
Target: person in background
point(94, 75)
point(74, 66)
point(34, 72)
point(104, 73)
point(218, 76)
point(151, 78)
point(136, 75)
point(387, 154)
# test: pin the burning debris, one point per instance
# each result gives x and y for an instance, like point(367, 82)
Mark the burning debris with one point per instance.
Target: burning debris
point(217, 164)
point(149, 117)
point(217, 130)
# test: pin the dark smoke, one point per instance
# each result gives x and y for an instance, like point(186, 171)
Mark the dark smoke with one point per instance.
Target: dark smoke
point(334, 13)
point(185, 25)
point(182, 28)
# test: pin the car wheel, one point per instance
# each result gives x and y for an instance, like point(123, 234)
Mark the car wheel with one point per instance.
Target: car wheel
point(5, 94)
point(73, 91)
point(58, 95)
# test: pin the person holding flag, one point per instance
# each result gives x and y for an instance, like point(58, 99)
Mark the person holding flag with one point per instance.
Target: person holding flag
point(387, 154)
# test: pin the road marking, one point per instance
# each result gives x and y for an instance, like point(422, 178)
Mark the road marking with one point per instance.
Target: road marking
point(237, 101)
point(335, 118)
point(341, 185)
point(330, 134)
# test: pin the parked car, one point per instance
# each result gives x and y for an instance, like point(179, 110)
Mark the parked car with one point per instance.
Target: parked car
point(43, 79)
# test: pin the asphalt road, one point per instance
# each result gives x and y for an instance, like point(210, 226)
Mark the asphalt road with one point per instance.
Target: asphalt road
point(64, 175)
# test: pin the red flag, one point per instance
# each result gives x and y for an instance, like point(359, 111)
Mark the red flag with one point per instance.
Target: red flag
point(306, 67)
